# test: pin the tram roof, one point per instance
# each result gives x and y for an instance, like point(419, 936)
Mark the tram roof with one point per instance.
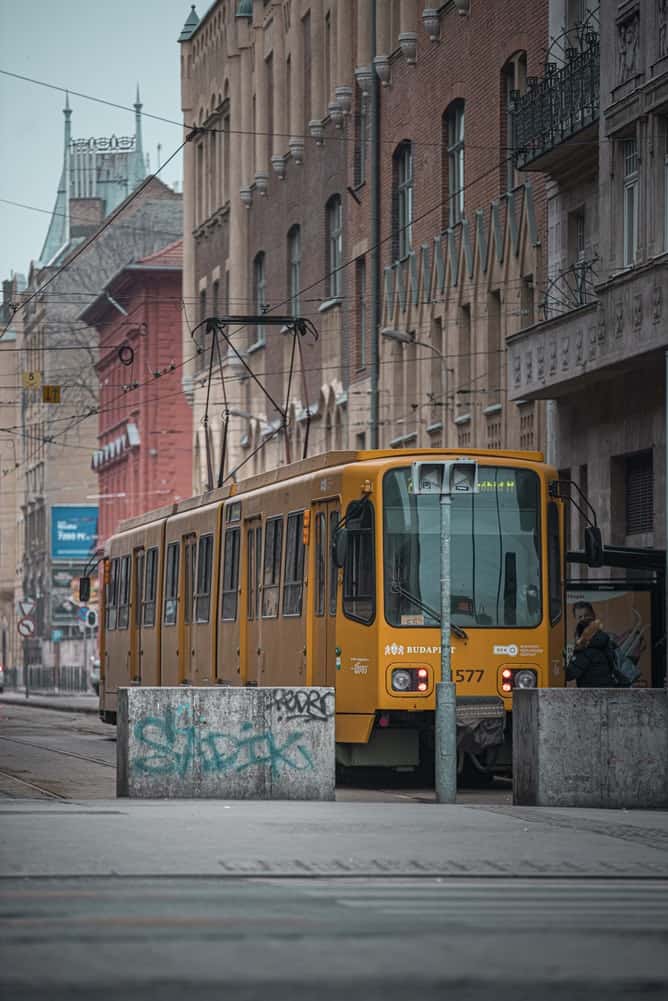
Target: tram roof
point(302, 467)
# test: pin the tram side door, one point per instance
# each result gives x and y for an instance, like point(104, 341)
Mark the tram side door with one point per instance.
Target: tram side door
point(253, 661)
point(136, 651)
point(324, 574)
point(186, 607)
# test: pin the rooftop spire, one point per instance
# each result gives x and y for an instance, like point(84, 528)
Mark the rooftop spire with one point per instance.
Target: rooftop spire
point(190, 26)
point(139, 150)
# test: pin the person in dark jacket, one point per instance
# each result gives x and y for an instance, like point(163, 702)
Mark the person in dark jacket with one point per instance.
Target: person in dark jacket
point(590, 665)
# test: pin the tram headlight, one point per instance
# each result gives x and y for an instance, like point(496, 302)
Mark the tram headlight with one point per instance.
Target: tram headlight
point(402, 681)
point(524, 679)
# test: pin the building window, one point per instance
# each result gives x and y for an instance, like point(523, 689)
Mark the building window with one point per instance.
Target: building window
point(631, 189)
point(513, 84)
point(148, 614)
point(454, 122)
point(200, 185)
point(230, 575)
point(360, 288)
point(639, 480)
point(273, 550)
point(203, 591)
point(320, 563)
point(171, 583)
point(665, 185)
point(334, 246)
point(294, 268)
point(293, 577)
point(402, 208)
point(260, 295)
point(215, 298)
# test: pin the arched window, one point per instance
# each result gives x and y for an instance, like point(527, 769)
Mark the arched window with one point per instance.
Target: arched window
point(294, 268)
point(259, 295)
point(334, 217)
point(453, 138)
point(402, 201)
point(513, 83)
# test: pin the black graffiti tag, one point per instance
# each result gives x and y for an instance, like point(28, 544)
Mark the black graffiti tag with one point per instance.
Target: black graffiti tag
point(306, 704)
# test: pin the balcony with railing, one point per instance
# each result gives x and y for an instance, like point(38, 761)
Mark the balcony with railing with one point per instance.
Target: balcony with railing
point(558, 114)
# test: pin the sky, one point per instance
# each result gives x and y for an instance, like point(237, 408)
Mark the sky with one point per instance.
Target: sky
point(100, 49)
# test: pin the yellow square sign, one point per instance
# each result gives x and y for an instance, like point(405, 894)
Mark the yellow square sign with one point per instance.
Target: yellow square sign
point(50, 394)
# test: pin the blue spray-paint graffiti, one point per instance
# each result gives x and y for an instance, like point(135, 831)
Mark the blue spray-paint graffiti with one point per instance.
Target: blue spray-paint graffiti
point(178, 745)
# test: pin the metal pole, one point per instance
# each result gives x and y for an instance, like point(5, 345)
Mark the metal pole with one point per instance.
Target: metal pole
point(374, 416)
point(445, 765)
point(665, 501)
point(85, 653)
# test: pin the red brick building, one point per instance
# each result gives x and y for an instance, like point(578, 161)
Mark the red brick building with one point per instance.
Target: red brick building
point(143, 458)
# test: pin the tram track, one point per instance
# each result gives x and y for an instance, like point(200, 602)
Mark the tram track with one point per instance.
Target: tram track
point(59, 750)
point(35, 786)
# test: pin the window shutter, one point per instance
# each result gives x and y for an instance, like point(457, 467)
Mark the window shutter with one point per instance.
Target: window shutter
point(639, 493)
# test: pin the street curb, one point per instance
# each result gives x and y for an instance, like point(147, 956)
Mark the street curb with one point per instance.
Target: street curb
point(38, 702)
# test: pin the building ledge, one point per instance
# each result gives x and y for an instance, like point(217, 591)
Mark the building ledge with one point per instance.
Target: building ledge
point(328, 304)
point(462, 419)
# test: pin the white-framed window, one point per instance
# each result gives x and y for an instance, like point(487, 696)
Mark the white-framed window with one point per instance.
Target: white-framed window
point(404, 181)
point(455, 130)
point(294, 268)
point(334, 246)
point(513, 82)
point(260, 294)
point(631, 198)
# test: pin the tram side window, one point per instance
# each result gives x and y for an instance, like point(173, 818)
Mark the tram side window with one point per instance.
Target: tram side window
point(151, 579)
point(273, 550)
point(554, 561)
point(359, 601)
point(320, 564)
point(293, 576)
point(124, 593)
point(171, 583)
point(230, 587)
point(140, 561)
point(112, 595)
point(333, 569)
point(250, 574)
point(203, 592)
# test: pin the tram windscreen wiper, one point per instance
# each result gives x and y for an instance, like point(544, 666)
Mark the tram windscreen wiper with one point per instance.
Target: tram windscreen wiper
point(399, 589)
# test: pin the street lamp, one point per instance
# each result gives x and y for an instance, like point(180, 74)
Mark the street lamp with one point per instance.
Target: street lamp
point(401, 337)
point(445, 479)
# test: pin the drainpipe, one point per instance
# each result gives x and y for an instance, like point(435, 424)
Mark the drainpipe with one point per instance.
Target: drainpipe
point(375, 238)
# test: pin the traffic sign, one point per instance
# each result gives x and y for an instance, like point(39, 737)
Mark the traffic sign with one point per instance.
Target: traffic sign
point(26, 627)
point(82, 613)
point(26, 606)
point(50, 394)
point(32, 380)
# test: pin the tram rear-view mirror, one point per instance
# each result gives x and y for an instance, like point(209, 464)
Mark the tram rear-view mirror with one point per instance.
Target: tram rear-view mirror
point(340, 547)
point(593, 546)
point(84, 590)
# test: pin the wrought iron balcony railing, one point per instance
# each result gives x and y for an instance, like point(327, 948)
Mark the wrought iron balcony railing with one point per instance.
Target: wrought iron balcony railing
point(557, 106)
point(569, 289)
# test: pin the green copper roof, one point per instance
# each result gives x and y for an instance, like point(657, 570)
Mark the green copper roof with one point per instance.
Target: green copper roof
point(190, 26)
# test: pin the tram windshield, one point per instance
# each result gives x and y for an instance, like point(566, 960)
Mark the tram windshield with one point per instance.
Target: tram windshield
point(494, 552)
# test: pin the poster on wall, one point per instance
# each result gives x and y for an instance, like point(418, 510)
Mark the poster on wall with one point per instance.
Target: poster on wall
point(626, 615)
point(73, 532)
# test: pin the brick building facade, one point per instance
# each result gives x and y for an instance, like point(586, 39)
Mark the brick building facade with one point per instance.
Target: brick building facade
point(142, 459)
point(278, 214)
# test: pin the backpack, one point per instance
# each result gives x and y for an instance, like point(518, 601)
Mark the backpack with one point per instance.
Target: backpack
point(624, 670)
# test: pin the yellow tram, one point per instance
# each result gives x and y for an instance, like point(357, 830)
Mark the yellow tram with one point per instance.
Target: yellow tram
point(326, 572)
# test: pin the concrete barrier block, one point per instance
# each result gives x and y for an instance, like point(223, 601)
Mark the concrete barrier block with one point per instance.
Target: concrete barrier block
point(226, 743)
point(591, 747)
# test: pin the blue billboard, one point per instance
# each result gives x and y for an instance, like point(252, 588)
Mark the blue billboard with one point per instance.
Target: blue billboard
point(73, 532)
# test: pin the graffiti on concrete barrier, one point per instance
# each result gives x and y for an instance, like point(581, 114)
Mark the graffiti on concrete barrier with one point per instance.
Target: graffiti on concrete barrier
point(303, 704)
point(175, 744)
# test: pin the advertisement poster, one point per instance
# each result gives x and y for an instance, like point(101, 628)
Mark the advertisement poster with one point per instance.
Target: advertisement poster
point(625, 615)
point(73, 532)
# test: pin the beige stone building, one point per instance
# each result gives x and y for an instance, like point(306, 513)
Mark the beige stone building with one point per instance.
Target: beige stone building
point(10, 455)
point(364, 180)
